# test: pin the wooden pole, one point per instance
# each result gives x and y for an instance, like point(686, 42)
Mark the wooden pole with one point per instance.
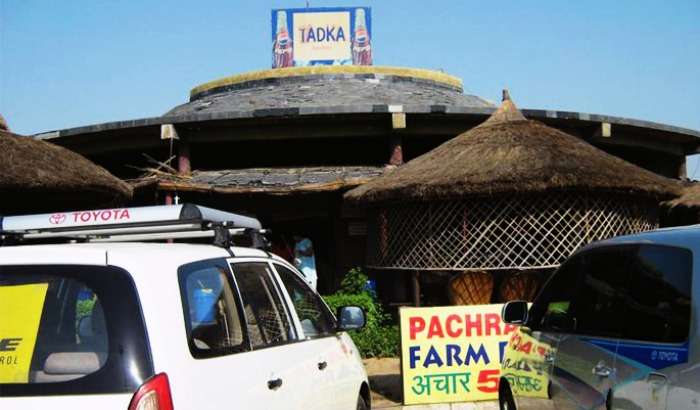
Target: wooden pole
point(416, 288)
point(184, 166)
point(396, 150)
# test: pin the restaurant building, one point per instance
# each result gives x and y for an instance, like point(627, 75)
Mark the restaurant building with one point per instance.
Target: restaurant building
point(286, 144)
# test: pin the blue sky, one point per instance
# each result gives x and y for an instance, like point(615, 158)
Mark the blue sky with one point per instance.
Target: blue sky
point(79, 62)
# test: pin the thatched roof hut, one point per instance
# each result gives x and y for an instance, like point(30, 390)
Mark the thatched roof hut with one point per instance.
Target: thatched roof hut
point(37, 176)
point(509, 194)
point(509, 154)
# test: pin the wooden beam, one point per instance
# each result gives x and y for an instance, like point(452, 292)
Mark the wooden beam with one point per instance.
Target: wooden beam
point(415, 280)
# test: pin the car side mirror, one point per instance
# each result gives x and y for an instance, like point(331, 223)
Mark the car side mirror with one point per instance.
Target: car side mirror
point(515, 312)
point(351, 318)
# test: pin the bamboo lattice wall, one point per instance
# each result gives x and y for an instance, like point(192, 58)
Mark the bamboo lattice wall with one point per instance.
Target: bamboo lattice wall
point(520, 232)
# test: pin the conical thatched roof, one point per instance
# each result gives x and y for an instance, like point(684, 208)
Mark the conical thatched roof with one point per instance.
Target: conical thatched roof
point(37, 175)
point(510, 154)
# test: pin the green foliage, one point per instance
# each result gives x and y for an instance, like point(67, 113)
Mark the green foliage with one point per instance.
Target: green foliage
point(354, 282)
point(377, 338)
point(84, 308)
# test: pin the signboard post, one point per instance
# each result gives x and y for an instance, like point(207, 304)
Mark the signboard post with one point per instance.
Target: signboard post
point(452, 353)
point(321, 36)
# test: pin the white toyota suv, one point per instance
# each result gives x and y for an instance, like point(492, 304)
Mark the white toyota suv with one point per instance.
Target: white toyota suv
point(118, 324)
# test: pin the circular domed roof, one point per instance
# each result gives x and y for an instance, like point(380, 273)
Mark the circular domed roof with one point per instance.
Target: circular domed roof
point(328, 86)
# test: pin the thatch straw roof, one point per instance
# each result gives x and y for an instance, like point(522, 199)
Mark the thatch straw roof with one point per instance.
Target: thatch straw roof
point(509, 154)
point(689, 198)
point(37, 175)
point(3, 124)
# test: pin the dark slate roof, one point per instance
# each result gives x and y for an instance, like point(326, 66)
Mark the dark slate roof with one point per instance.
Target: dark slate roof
point(326, 91)
point(265, 180)
point(282, 177)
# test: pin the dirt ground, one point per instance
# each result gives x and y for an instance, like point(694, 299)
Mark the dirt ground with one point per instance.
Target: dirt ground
point(385, 381)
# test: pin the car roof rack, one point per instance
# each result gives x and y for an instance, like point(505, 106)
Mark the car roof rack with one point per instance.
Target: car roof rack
point(147, 223)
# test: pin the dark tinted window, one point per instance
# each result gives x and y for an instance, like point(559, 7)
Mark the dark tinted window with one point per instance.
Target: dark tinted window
point(212, 315)
point(598, 307)
point(70, 330)
point(267, 320)
point(658, 302)
point(551, 309)
point(313, 314)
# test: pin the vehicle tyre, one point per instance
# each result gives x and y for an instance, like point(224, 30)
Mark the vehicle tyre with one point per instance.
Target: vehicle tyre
point(505, 397)
point(361, 405)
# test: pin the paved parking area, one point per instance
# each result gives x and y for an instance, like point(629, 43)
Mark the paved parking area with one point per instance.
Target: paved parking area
point(385, 381)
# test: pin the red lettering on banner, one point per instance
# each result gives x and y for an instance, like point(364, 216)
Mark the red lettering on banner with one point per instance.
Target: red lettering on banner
point(435, 328)
point(525, 347)
point(488, 380)
point(509, 328)
point(472, 324)
point(492, 324)
point(415, 325)
point(125, 214)
point(448, 325)
point(106, 215)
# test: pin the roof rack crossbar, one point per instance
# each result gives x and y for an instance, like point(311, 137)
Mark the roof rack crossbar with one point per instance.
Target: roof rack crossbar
point(134, 224)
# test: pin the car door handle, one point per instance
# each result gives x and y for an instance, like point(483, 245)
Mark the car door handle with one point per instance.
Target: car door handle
point(322, 365)
point(602, 370)
point(274, 384)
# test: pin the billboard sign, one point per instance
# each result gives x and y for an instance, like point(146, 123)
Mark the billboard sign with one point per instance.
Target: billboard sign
point(321, 36)
point(452, 353)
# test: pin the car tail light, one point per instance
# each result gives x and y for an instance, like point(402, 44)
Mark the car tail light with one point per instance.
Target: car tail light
point(154, 394)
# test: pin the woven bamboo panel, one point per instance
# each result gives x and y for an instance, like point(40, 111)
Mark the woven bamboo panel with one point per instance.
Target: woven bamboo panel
point(521, 285)
point(471, 288)
point(506, 232)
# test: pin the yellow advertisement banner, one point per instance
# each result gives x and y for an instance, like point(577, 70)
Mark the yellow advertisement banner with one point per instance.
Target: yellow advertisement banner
point(525, 364)
point(20, 313)
point(452, 353)
point(322, 36)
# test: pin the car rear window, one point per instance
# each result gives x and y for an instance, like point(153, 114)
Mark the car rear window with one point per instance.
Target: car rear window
point(70, 330)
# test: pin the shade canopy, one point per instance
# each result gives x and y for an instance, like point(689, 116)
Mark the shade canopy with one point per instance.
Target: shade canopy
point(37, 175)
point(510, 154)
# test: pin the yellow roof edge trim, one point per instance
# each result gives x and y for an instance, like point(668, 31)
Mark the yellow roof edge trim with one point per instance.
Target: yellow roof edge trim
point(420, 73)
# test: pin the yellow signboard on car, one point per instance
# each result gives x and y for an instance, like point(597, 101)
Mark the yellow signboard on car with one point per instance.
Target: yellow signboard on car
point(20, 314)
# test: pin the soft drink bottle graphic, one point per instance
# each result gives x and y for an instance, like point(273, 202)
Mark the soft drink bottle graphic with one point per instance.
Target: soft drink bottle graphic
point(361, 43)
point(282, 51)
